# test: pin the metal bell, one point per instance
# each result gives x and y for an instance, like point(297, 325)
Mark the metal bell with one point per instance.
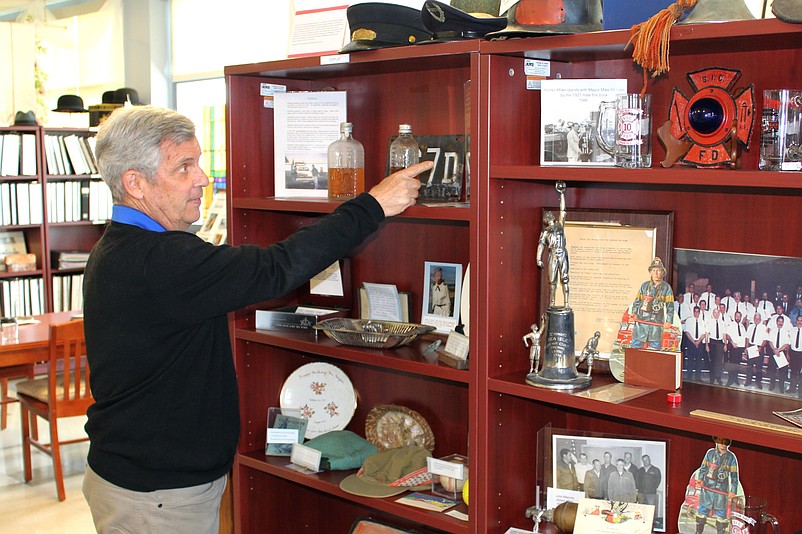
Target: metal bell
point(718, 11)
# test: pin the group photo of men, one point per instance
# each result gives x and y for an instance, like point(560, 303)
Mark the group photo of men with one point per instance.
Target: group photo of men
point(612, 469)
point(741, 322)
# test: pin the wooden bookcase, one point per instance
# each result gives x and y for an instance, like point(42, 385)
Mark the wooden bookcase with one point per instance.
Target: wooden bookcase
point(487, 412)
point(49, 236)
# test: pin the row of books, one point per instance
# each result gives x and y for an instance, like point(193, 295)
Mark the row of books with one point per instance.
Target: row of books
point(20, 203)
point(78, 200)
point(22, 296)
point(18, 154)
point(68, 292)
point(70, 154)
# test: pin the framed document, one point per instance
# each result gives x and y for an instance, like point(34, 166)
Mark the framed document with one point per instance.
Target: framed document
point(609, 254)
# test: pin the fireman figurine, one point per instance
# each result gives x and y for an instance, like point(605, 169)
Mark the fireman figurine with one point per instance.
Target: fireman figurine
point(717, 481)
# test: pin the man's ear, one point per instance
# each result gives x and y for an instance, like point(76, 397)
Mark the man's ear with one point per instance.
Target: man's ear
point(133, 182)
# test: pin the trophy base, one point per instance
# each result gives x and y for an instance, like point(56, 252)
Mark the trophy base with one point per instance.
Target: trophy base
point(533, 379)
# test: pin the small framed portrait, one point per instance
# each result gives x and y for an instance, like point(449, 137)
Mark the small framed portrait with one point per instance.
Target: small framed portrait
point(612, 468)
point(442, 292)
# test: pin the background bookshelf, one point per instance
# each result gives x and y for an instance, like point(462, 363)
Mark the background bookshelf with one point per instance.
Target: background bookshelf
point(50, 192)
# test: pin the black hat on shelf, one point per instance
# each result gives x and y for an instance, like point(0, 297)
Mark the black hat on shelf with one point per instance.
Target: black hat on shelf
point(25, 118)
point(126, 94)
point(377, 25)
point(538, 17)
point(70, 104)
point(454, 23)
point(108, 97)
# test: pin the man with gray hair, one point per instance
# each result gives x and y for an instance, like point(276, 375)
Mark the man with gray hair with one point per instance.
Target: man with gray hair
point(165, 423)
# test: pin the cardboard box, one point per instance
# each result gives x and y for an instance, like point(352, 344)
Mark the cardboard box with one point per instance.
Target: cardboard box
point(623, 14)
point(653, 368)
point(288, 318)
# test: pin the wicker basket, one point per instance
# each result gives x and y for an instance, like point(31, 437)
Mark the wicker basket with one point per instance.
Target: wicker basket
point(374, 334)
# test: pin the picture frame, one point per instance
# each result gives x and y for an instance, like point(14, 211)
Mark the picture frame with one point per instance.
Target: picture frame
point(578, 120)
point(442, 294)
point(753, 285)
point(364, 305)
point(285, 426)
point(305, 123)
point(604, 282)
point(607, 450)
point(11, 242)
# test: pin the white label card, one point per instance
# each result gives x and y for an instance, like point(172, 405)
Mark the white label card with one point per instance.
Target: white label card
point(446, 468)
point(282, 435)
point(306, 457)
point(267, 90)
point(329, 282)
point(317, 28)
point(457, 345)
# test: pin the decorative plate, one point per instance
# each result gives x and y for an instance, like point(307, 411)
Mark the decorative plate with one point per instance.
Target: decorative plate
point(389, 426)
point(323, 394)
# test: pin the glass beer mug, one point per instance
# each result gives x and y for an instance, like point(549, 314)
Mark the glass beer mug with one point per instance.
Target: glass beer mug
point(748, 516)
point(628, 122)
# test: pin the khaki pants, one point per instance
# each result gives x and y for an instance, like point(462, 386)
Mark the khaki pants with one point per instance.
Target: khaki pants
point(116, 510)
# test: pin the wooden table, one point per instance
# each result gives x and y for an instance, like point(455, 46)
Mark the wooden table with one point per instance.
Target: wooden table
point(18, 359)
point(31, 346)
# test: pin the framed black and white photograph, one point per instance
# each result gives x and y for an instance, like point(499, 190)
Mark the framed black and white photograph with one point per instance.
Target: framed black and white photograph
point(442, 292)
point(578, 121)
point(742, 320)
point(609, 468)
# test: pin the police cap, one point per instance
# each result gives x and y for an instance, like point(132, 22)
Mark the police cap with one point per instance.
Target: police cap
point(450, 23)
point(378, 25)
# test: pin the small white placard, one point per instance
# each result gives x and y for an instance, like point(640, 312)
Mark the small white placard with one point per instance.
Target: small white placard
point(457, 345)
point(555, 496)
point(752, 352)
point(780, 360)
point(282, 435)
point(537, 67)
point(446, 468)
point(308, 310)
point(790, 166)
point(267, 90)
point(317, 28)
point(383, 302)
point(536, 70)
point(335, 59)
point(462, 516)
point(329, 282)
point(306, 457)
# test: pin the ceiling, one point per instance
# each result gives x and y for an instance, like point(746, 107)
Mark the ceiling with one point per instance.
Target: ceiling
point(11, 9)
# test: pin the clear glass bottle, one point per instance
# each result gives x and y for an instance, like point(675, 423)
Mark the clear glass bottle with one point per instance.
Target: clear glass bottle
point(346, 165)
point(404, 150)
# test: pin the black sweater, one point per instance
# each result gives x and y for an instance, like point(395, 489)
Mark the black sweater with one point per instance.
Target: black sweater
point(155, 303)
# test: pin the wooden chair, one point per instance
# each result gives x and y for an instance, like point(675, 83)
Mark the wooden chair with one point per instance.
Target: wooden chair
point(6, 373)
point(63, 393)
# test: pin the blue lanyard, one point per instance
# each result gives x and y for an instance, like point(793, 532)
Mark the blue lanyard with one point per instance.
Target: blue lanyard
point(134, 217)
